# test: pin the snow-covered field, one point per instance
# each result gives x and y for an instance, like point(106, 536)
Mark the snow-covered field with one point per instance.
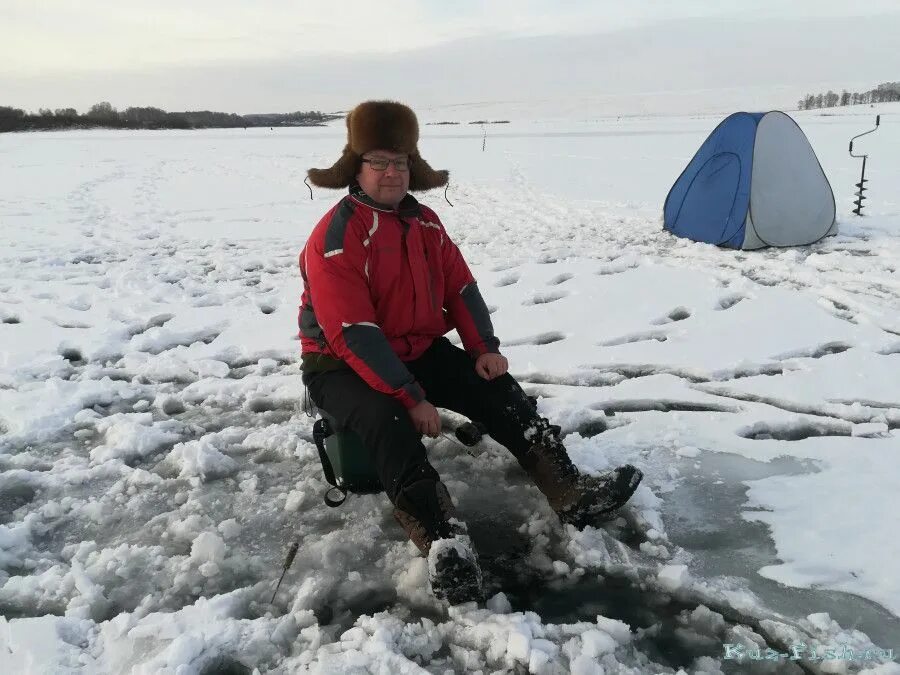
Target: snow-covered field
point(155, 464)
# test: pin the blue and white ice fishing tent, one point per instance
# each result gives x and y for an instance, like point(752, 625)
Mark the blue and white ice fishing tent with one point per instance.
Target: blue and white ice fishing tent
point(754, 182)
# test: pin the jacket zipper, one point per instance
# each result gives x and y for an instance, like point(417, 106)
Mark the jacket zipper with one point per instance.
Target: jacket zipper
point(411, 274)
point(428, 276)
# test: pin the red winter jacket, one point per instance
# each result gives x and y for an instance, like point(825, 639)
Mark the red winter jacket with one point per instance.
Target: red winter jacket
point(380, 285)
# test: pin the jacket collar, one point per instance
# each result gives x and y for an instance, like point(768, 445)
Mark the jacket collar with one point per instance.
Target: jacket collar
point(408, 208)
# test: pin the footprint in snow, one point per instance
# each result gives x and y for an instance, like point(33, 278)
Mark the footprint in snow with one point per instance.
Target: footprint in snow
point(267, 307)
point(544, 297)
point(827, 349)
point(794, 430)
point(592, 427)
point(616, 268)
point(647, 336)
point(677, 314)
point(71, 354)
point(540, 339)
point(560, 278)
point(70, 324)
point(507, 279)
point(729, 301)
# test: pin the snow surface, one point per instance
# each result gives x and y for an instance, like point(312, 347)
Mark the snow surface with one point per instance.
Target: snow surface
point(156, 464)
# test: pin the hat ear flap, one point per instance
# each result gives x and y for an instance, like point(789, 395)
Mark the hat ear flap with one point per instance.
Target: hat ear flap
point(423, 177)
point(340, 174)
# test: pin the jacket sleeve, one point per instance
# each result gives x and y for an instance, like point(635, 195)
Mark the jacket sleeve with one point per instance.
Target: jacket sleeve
point(462, 300)
point(336, 270)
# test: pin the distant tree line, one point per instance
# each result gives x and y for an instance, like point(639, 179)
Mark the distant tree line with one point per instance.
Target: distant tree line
point(475, 122)
point(883, 93)
point(105, 115)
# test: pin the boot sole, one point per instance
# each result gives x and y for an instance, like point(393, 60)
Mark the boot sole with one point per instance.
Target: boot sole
point(457, 579)
point(582, 514)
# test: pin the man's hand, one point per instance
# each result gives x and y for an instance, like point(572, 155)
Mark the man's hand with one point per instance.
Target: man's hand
point(490, 366)
point(425, 419)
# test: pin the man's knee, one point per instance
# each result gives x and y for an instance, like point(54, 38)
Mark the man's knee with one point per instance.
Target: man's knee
point(508, 394)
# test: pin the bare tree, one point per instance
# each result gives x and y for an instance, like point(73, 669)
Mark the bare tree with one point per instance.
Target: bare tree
point(103, 113)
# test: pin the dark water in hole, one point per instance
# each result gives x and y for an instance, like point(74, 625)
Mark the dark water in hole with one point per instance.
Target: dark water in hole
point(564, 601)
point(14, 496)
point(652, 616)
point(225, 665)
point(615, 599)
point(701, 516)
point(705, 518)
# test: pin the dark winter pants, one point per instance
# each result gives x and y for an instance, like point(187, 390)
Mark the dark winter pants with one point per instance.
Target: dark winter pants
point(448, 376)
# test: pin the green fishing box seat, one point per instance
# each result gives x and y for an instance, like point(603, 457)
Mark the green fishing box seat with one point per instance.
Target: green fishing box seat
point(346, 462)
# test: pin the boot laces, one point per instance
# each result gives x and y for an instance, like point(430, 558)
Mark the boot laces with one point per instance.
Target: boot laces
point(548, 435)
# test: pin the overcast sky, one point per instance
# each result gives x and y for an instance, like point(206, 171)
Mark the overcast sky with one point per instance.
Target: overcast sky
point(281, 55)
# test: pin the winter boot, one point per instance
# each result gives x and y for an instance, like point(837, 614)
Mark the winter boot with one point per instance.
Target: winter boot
point(577, 498)
point(426, 512)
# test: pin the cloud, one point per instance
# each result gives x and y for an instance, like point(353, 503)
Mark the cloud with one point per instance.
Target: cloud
point(654, 60)
point(97, 35)
point(59, 36)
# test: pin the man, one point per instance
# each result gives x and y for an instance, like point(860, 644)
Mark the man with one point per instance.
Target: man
point(383, 283)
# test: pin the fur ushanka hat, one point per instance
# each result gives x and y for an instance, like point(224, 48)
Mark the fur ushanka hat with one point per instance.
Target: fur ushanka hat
point(380, 125)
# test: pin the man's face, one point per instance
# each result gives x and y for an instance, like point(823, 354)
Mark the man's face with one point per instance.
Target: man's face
point(386, 186)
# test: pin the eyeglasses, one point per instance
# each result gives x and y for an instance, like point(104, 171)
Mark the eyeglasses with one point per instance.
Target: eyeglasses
point(381, 164)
